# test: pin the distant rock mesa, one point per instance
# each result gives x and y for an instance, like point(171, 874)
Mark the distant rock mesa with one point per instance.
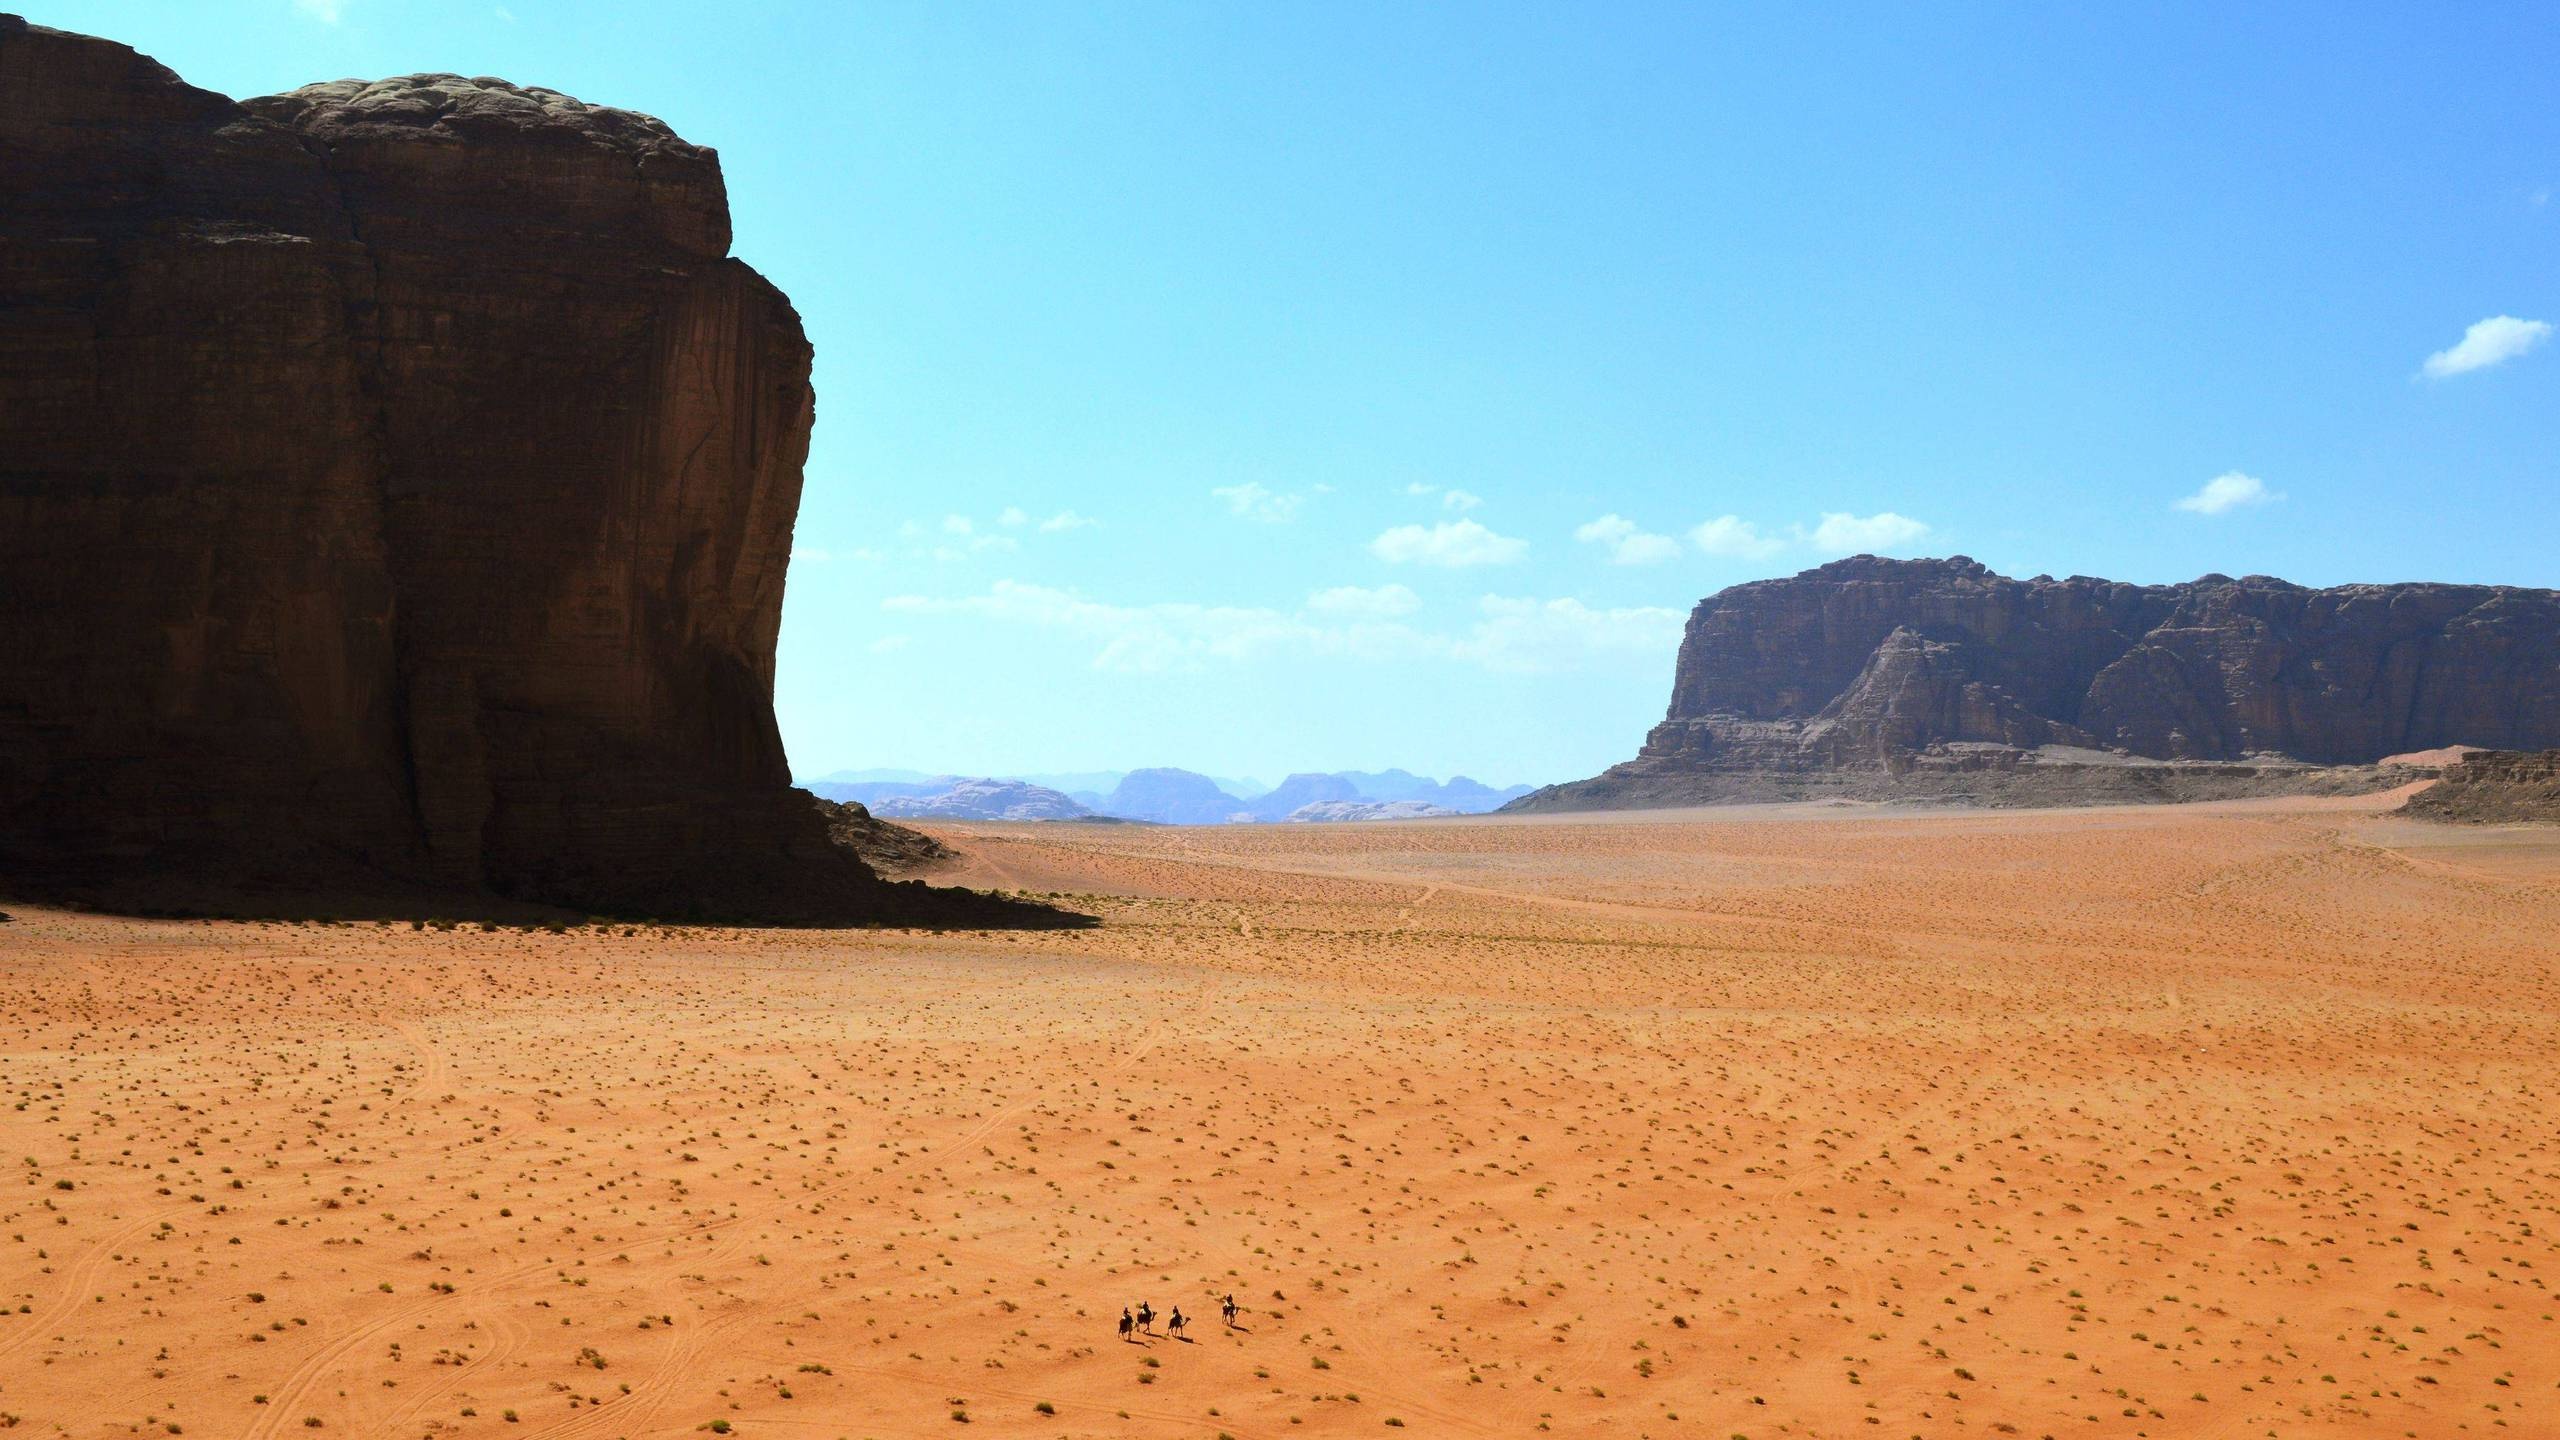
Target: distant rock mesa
point(1326, 812)
point(1876, 678)
point(398, 485)
point(983, 799)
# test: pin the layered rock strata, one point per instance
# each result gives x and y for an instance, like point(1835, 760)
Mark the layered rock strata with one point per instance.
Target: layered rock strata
point(2494, 787)
point(1938, 678)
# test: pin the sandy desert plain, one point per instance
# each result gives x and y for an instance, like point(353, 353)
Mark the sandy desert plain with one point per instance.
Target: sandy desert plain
point(2232, 1120)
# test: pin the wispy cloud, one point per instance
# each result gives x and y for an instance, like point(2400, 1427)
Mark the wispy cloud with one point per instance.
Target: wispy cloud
point(2493, 341)
point(1883, 533)
point(1451, 497)
point(2227, 491)
point(1259, 503)
point(1354, 602)
point(1171, 635)
point(1511, 635)
point(1523, 636)
point(1626, 542)
point(1014, 517)
point(327, 12)
point(959, 537)
point(1735, 538)
point(1451, 544)
point(1730, 537)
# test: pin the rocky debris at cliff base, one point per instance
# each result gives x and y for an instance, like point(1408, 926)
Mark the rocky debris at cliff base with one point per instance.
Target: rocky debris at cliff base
point(2493, 787)
point(886, 848)
point(1992, 776)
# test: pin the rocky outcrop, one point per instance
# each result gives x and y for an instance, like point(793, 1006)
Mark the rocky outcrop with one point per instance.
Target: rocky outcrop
point(2494, 787)
point(398, 487)
point(886, 848)
point(1939, 678)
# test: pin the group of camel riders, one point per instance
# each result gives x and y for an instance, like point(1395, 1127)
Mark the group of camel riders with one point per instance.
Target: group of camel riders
point(1143, 1320)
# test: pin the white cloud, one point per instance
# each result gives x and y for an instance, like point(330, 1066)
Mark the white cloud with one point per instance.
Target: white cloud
point(2493, 341)
point(810, 554)
point(1882, 533)
point(1259, 503)
point(963, 539)
point(1509, 635)
point(327, 12)
point(960, 536)
point(1735, 538)
point(1353, 602)
point(1451, 498)
point(1170, 635)
point(1627, 544)
point(1523, 636)
point(887, 643)
point(1451, 544)
point(2228, 491)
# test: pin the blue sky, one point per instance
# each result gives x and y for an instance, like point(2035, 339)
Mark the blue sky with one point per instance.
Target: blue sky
point(1319, 386)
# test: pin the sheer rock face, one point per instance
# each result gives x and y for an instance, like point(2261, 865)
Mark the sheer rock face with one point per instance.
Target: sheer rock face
point(1937, 669)
point(399, 480)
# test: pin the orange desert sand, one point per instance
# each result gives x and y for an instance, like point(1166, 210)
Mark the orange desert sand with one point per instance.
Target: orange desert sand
point(2237, 1120)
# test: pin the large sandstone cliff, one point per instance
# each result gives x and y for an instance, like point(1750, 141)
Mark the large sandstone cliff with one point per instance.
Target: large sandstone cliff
point(398, 483)
point(1937, 677)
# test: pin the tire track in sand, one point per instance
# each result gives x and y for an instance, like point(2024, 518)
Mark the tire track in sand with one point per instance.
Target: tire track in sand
point(80, 1280)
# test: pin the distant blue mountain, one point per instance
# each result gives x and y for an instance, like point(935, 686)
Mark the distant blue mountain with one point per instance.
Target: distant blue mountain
point(980, 799)
point(872, 792)
point(1169, 796)
point(1305, 788)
